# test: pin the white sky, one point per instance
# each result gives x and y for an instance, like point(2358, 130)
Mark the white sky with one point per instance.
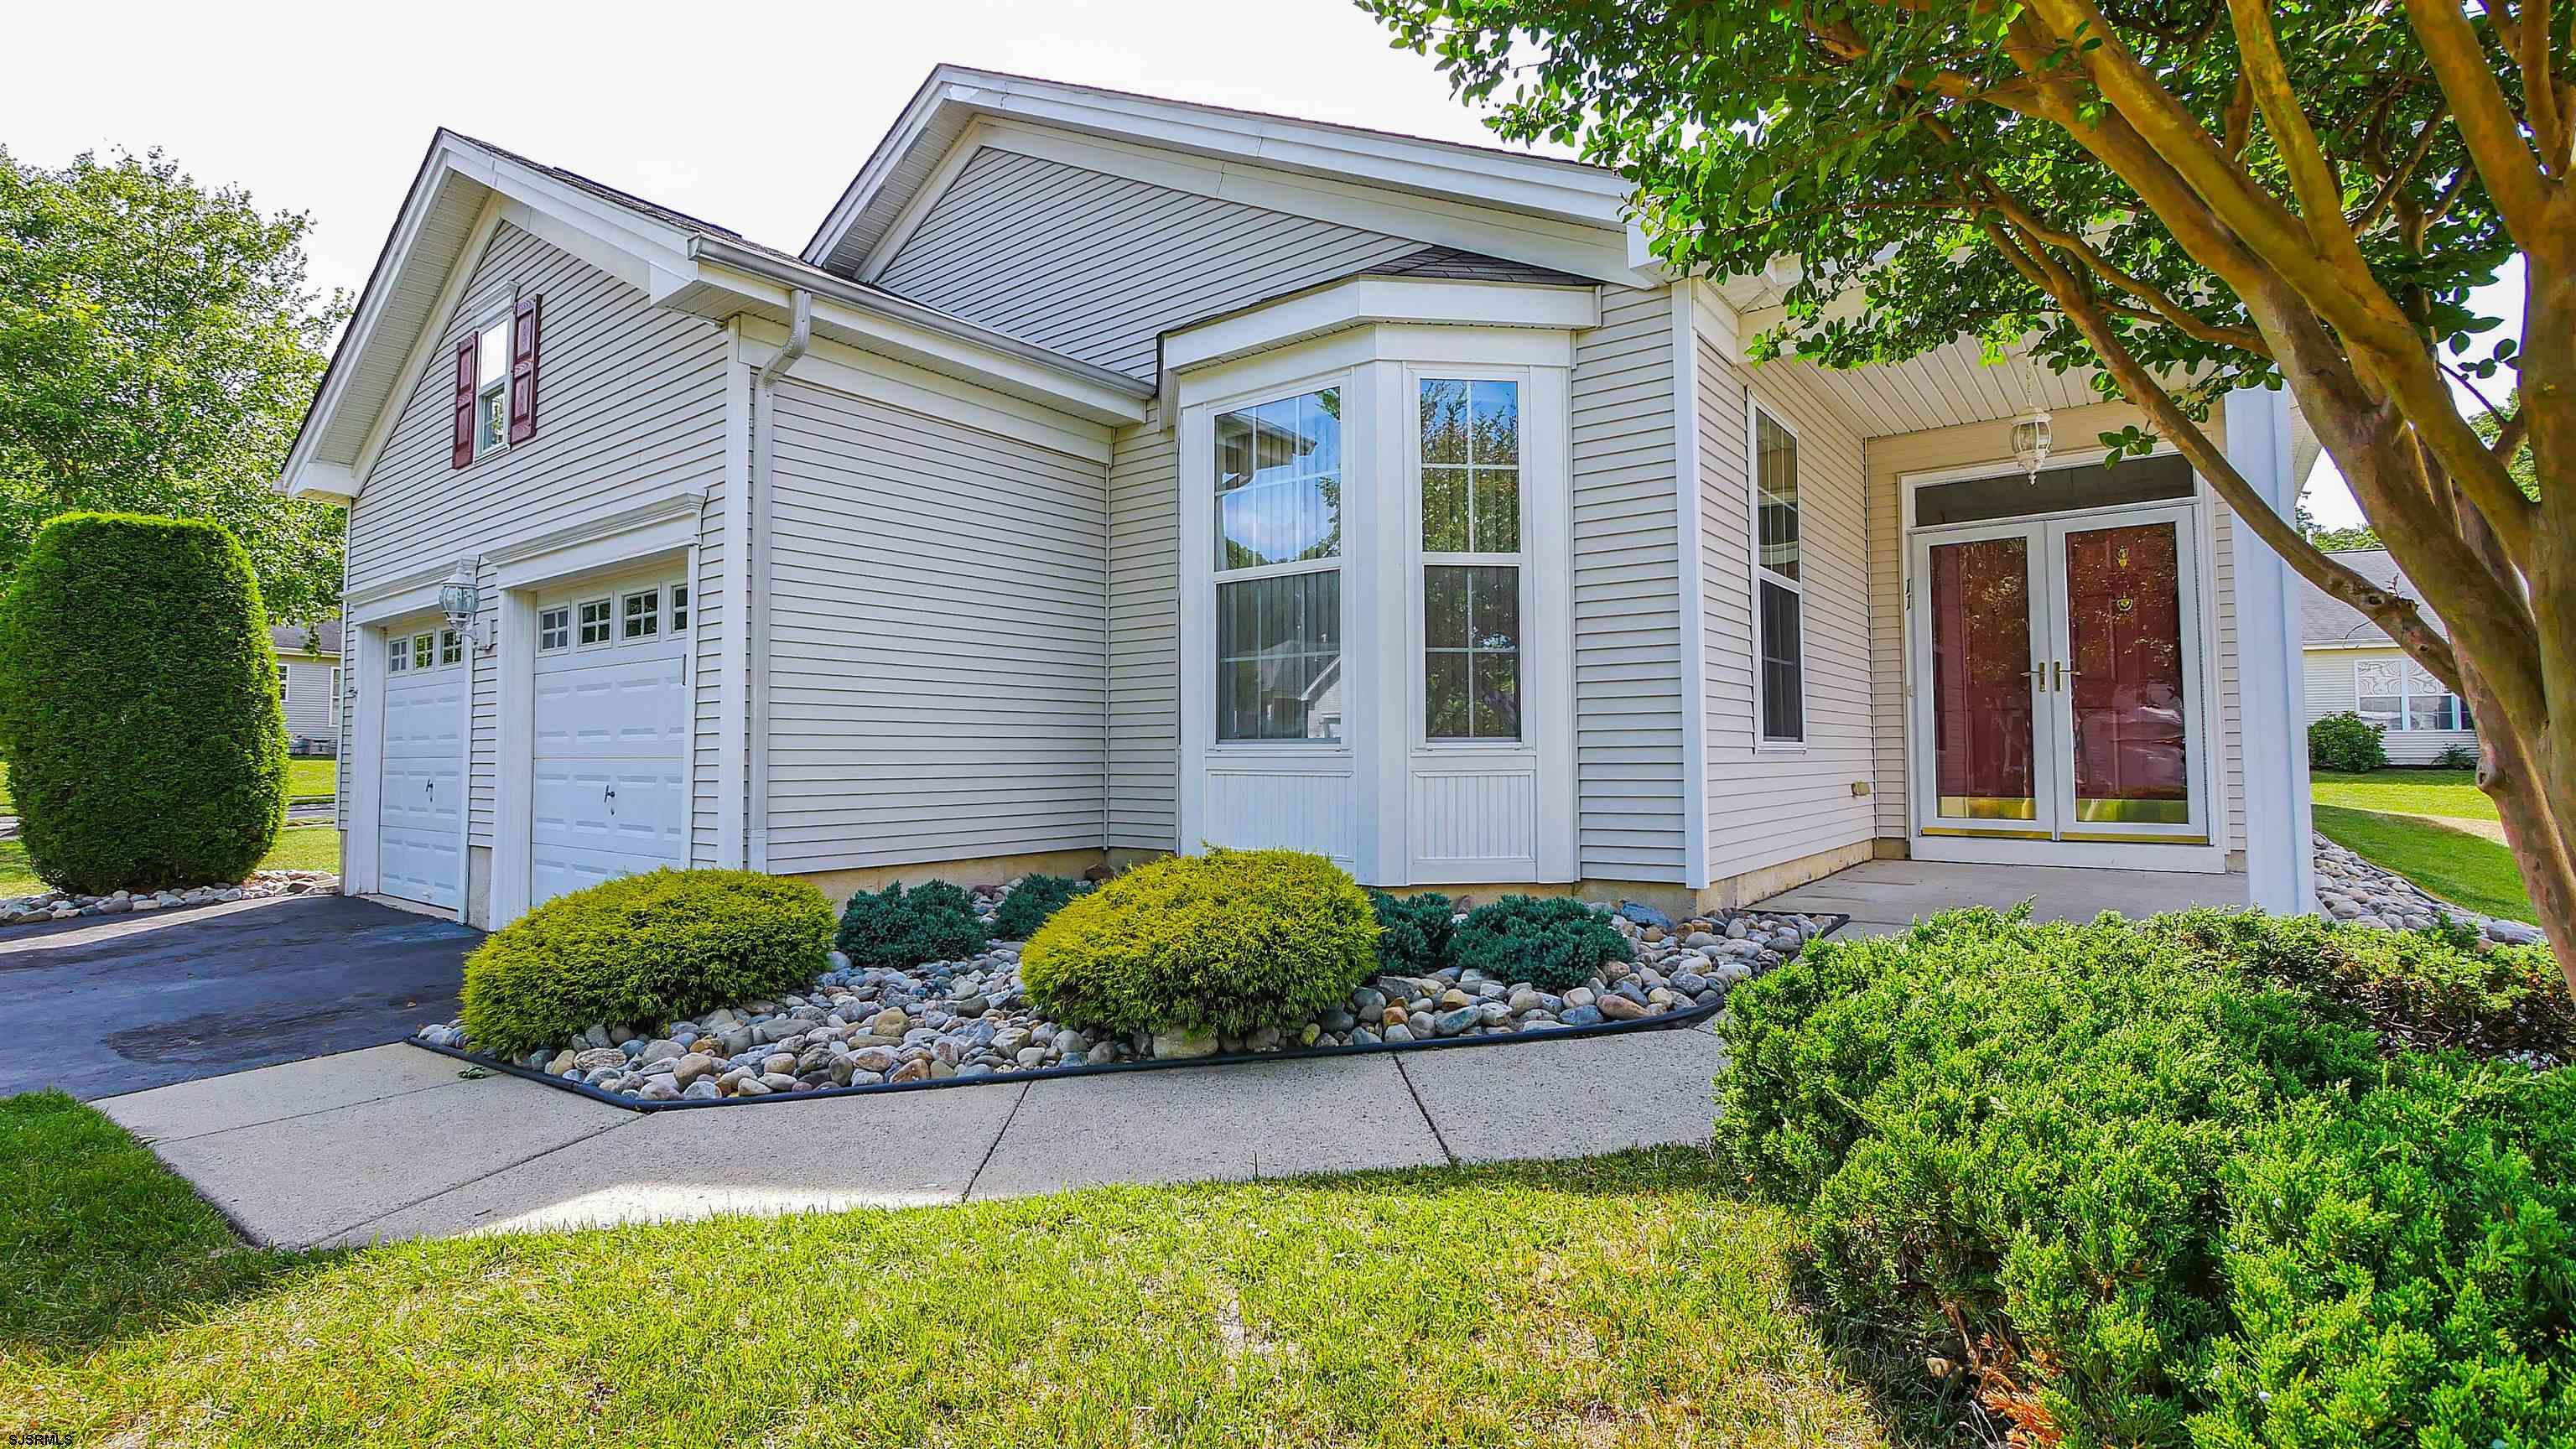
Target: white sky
point(753, 116)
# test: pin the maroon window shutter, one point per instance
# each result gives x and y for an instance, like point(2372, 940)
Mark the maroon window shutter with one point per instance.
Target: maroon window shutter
point(523, 370)
point(464, 404)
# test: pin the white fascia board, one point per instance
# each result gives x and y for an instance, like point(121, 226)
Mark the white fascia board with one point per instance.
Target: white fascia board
point(1596, 249)
point(318, 482)
point(1370, 300)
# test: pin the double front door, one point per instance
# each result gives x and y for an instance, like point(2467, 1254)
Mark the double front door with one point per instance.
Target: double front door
point(2058, 684)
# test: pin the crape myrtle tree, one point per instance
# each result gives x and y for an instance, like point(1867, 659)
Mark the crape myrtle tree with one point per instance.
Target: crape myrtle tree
point(2191, 196)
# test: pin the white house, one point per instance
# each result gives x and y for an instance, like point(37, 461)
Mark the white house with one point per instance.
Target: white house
point(2352, 665)
point(308, 684)
point(1111, 476)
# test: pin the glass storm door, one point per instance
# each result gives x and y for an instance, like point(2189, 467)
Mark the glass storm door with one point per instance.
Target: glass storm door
point(2058, 680)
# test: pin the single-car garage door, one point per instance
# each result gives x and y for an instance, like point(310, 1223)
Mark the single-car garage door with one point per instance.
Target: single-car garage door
point(611, 732)
point(420, 816)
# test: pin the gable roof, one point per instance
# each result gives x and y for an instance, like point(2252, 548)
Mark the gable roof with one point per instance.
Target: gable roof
point(322, 638)
point(2326, 620)
point(954, 98)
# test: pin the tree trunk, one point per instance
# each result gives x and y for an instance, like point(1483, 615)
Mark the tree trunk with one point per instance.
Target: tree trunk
point(2510, 776)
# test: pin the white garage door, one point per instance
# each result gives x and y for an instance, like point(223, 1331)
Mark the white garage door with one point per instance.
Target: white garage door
point(420, 817)
point(610, 794)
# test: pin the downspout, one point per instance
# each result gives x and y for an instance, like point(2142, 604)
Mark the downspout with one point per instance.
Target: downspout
point(800, 336)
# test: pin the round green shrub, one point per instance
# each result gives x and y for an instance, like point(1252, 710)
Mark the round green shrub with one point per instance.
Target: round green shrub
point(1551, 942)
point(1413, 932)
point(139, 715)
point(1227, 942)
point(898, 929)
point(2456, 757)
point(1031, 902)
point(643, 949)
point(2346, 742)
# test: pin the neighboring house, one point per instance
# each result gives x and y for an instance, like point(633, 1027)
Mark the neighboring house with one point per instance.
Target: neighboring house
point(308, 684)
point(1113, 476)
point(2353, 665)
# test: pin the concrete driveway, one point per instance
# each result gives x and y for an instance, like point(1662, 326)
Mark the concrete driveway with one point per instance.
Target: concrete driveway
point(110, 1004)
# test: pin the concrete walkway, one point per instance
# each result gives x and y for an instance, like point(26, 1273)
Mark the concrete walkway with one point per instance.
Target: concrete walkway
point(392, 1142)
point(1886, 896)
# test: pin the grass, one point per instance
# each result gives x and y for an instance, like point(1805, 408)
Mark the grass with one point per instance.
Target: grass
point(2450, 793)
point(2462, 868)
point(305, 780)
point(299, 847)
point(1615, 1301)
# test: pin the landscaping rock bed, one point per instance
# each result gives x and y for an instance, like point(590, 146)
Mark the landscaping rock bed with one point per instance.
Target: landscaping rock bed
point(968, 1020)
point(61, 906)
point(2352, 889)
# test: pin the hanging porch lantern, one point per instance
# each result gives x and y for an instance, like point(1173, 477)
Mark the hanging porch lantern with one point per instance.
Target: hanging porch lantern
point(2030, 442)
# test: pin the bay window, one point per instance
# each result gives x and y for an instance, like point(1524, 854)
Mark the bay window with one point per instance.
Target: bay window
point(1471, 556)
point(1278, 569)
point(2401, 695)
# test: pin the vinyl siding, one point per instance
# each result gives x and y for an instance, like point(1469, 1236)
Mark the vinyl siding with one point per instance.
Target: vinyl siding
point(937, 661)
point(1768, 805)
point(1627, 596)
point(1144, 638)
point(1097, 266)
point(708, 623)
point(631, 409)
point(310, 710)
point(2331, 689)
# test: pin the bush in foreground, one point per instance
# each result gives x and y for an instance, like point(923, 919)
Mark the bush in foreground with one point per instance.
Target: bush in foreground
point(898, 929)
point(643, 949)
point(2346, 742)
point(1031, 902)
point(138, 705)
point(2140, 1187)
point(1413, 932)
point(1550, 942)
point(1227, 942)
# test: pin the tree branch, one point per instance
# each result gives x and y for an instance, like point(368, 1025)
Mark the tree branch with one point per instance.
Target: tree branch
point(2312, 177)
point(2487, 123)
point(2399, 178)
point(2162, 307)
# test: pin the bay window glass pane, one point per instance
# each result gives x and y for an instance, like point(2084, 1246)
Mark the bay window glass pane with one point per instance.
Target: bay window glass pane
point(1471, 652)
point(1279, 482)
point(2378, 699)
point(1776, 495)
point(2429, 705)
point(1784, 711)
point(1279, 658)
point(1471, 451)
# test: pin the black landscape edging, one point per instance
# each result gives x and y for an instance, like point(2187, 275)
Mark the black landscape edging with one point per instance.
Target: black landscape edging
point(1666, 1021)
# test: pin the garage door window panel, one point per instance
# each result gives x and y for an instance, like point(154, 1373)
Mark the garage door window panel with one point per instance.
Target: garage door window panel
point(643, 614)
point(554, 629)
point(598, 622)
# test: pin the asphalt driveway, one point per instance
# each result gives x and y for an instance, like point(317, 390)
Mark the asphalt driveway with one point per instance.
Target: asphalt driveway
point(110, 1004)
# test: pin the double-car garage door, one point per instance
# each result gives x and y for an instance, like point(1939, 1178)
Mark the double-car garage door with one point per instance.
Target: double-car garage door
point(609, 729)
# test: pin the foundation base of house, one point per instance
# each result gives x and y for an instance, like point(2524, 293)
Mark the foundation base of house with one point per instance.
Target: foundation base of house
point(969, 871)
point(1760, 885)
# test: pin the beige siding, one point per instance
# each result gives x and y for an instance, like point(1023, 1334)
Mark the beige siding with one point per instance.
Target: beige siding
point(2331, 689)
point(936, 659)
point(631, 409)
point(1098, 266)
point(1627, 598)
point(1144, 639)
point(1979, 443)
point(1768, 805)
point(310, 711)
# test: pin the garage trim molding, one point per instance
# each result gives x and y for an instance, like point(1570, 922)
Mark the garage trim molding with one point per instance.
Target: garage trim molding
point(665, 527)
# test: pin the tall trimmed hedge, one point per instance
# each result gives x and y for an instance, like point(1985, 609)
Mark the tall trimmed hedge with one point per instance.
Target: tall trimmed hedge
point(138, 705)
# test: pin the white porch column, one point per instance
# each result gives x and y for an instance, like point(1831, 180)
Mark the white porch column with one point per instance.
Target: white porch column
point(2280, 861)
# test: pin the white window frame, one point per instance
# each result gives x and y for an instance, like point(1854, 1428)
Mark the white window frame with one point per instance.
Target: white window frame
point(563, 625)
point(335, 689)
point(424, 651)
point(451, 648)
point(490, 387)
point(2407, 669)
point(285, 676)
point(1419, 560)
point(627, 618)
point(676, 601)
point(1337, 565)
point(1757, 576)
point(607, 623)
point(397, 654)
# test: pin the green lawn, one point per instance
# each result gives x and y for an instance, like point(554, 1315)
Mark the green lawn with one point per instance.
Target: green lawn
point(2465, 869)
point(305, 780)
point(2452, 793)
point(1617, 1301)
point(299, 847)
